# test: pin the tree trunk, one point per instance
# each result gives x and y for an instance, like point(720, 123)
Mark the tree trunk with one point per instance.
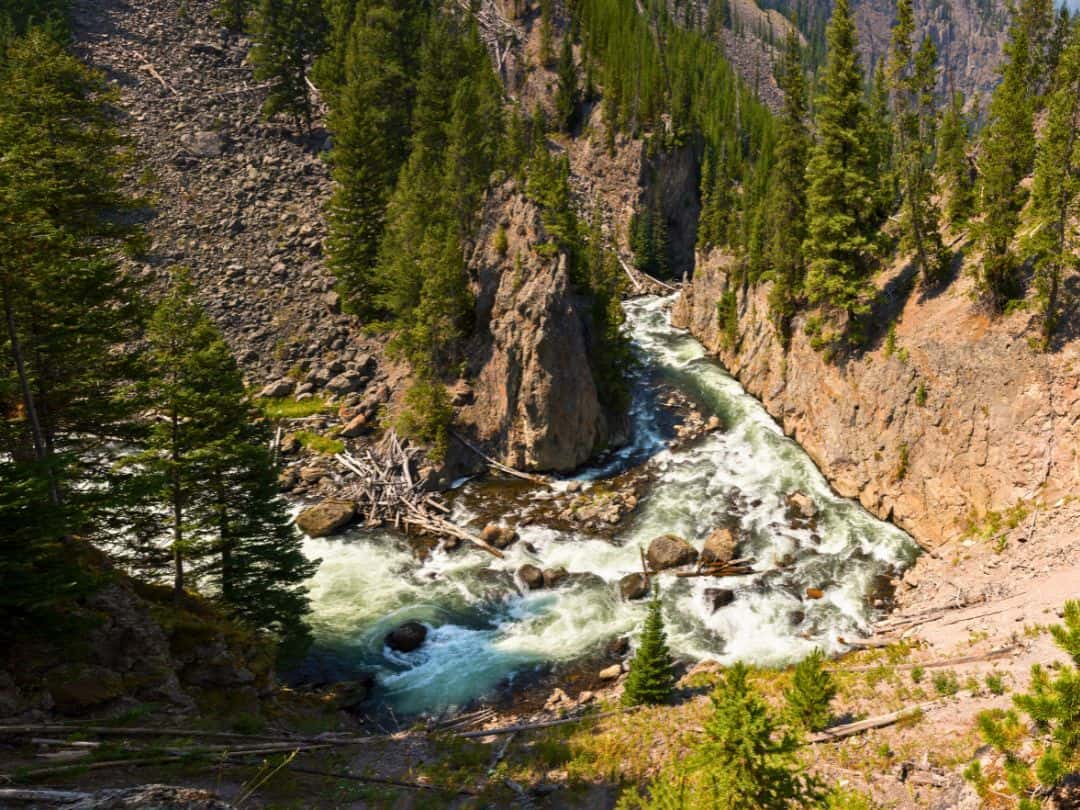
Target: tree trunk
point(41, 452)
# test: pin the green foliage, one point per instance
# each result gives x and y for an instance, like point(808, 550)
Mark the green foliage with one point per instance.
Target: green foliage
point(1055, 198)
point(650, 242)
point(211, 482)
point(285, 34)
point(945, 682)
point(840, 193)
point(727, 314)
point(651, 678)
point(811, 693)
point(954, 169)
point(785, 207)
point(920, 394)
point(233, 14)
point(1053, 706)
point(913, 77)
point(746, 759)
point(292, 408)
point(427, 416)
point(567, 93)
point(995, 683)
point(67, 310)
point(319, 443)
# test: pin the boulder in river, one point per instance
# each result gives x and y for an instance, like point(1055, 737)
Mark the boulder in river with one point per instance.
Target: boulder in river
point(633, 586)
point(717, 598)
point(531, 576)
point(406, 637)
point(801, 506)
point(814, 593)
point(719, 546)
point(610, 673)
point(669, 551)
point(326, 518)
point(499, 536)
point(553, 576)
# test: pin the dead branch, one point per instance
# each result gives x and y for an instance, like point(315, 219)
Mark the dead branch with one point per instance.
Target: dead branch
point(148, 66)
point(491, 732)
point(536, 479)
point(993, 655)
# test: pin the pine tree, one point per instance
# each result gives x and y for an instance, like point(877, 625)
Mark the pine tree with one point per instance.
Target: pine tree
point(811, 692)
point(286, 34)
point(952, 162)
point(840, 191)
point(566, 92)
point(748, 760)
point(371, 125)
point(232, 14)
point(1054, 710)
point(786, 201)
point(1008, 155)
point(912, 77)
point(881, 158)
point(651, 678)
point(67, 310)
point(1056, 189)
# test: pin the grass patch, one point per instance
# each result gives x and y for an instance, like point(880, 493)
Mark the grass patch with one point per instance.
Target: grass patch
point(287, 408)
point(319, 443)
point(946, 683)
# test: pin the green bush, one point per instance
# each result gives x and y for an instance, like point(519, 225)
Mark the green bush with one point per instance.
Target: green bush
point(427, 416)
point(811, 692)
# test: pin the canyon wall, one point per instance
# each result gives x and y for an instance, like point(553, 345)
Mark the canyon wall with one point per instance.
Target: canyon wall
point(961, 418)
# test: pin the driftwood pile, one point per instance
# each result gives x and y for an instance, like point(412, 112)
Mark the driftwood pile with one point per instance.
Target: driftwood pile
point(732, 568)
point(389, 490)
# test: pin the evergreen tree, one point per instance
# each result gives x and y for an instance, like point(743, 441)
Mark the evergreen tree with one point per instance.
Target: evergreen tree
point(746, 761)
point(1053, 706)
point(651, 678)
point(840, 192)
point(1008, 155)
point(566, 91)
point(952, 162)
point(286, 34)
point(232, 14)
point(786, 201)
point(371, 125)
point(1056, 189)
point(912, 77)
point(881, 168)
point(811, 692)
point(67, 310)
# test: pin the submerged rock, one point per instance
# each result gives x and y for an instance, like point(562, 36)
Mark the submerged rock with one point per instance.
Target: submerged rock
point(717, 598)
point(669, 551)
point(532, 577)
point(499, 536)
point(633, 586)
point(326, 518)
point(553, 576)
point(719, 546)
point(406, 637)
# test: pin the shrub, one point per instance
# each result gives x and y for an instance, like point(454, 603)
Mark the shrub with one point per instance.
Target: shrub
point(427, 416)
point(995, 682)
point(651, 678)
point(946, 683)
point(811, 692)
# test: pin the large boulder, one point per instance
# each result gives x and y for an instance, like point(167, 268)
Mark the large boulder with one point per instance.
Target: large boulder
point(326, 518)
point(77, 689)
point(406, 637)
point(278, 388)
point(531, 576)
point(719, 546)
point(669, 551)
point(357, 426)
point(800, 505)
point(634, 586)
point(554, 576)
point(345, 383)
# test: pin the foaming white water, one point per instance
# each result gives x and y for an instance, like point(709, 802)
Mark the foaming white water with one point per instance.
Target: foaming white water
point(484, 628)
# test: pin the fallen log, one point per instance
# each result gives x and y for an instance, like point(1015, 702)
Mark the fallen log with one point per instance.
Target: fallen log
point(729, 571)
point(143, 731)
point(881, 721)
point(536, 479)
point(493, 732)
point(439, 526)
point(993, 655)
point(377, 780)
point(51, 796)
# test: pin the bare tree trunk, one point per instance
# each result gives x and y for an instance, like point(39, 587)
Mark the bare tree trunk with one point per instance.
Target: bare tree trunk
point(41, 452)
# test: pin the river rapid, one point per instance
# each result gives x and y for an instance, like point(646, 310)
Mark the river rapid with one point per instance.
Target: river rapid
point(485, 630)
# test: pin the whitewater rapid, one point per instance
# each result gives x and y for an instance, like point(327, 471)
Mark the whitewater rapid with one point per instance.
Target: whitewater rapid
point(484, 628)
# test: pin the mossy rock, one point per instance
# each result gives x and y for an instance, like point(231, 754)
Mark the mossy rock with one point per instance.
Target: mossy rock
point(76, 689)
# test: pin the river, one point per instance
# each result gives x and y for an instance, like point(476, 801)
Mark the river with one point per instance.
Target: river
point(484, 630)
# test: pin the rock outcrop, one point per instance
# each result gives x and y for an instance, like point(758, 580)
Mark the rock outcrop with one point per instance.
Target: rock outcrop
point(534, 403)
point(961, 419)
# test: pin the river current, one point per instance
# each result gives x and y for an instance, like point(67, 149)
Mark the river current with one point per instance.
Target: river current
point(485, 629)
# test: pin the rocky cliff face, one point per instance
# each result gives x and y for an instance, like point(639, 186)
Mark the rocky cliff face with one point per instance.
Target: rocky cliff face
point(533, 400)
point(963, 418)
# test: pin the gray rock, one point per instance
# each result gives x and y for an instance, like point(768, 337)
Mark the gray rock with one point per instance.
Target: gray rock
point(499, 536)
point(204, 144)
point(278, 388)
point(345, 383)
point(717, 598)
point(553, 576)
